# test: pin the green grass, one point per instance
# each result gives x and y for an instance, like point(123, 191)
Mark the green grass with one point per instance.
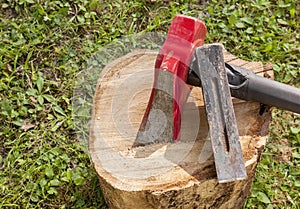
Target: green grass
point(44, 45)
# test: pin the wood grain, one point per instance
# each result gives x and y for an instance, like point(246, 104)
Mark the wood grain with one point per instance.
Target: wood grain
point(165, 175)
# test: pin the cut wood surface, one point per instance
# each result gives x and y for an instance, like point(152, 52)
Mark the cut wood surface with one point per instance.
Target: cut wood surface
point(166, 175)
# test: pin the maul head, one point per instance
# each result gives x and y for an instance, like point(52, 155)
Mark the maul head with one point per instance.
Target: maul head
point(162, 118)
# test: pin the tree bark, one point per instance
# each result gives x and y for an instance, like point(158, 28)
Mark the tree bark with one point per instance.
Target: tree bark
point(166, 175)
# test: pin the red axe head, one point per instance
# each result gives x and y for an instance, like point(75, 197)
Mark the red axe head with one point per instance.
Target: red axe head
point(162, 118)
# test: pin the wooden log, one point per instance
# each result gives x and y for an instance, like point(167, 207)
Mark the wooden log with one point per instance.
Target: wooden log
point(166, 175)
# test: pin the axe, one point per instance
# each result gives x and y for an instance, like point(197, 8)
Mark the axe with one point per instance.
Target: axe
point(182, 63)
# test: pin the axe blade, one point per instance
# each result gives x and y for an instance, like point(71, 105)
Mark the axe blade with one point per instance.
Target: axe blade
point(229, 161)
point(162, 118)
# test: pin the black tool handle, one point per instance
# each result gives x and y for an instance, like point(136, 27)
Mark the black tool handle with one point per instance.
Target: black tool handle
point(244, 84)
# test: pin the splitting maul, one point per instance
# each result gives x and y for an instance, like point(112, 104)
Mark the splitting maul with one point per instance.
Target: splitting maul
point(182, 63)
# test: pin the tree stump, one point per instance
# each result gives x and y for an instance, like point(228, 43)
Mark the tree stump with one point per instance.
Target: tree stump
point(166, 175)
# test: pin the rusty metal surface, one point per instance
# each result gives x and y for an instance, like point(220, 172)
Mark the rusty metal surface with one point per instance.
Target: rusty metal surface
point(223, 130)
point(158, 126)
